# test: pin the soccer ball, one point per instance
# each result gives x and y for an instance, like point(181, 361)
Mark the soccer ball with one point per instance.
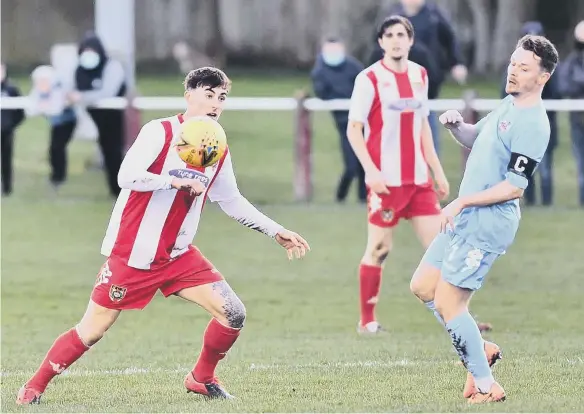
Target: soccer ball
point(202, 142)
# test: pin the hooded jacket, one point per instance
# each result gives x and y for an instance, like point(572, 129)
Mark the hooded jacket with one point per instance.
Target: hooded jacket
point(106, 80)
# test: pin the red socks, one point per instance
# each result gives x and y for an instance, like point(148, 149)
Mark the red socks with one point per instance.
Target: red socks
point(66, 349)
point(369, 283)
point(217, 341)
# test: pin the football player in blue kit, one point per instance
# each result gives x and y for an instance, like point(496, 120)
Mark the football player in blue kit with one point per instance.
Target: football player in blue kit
point(478, 226)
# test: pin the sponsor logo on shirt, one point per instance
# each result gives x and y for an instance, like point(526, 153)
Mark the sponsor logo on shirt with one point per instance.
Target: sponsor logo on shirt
point(405, 105)
point(190, 174)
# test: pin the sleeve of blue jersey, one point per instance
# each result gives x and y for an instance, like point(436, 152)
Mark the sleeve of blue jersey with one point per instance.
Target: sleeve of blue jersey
point(517, 180)
point(528, 145)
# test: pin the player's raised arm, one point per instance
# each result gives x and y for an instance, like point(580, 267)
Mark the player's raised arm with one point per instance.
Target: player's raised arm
point(360, 108)
point(147, 147)
point(465, 134)
point(225, 192)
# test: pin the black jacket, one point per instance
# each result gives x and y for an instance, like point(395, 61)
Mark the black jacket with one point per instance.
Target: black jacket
point(435, 44)
point(335, 82)
point(92, 79)
point(11, 118)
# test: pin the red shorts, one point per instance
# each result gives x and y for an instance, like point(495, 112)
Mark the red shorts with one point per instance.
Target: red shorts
point(119, 286)
point(385, 210)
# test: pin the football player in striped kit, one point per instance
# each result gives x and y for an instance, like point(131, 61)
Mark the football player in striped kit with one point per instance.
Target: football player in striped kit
point(148, 243)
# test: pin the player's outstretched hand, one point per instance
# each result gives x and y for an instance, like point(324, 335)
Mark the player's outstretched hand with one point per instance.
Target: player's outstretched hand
point(193, 186)
point(451, 119)
point(448, 213)
point(443, 187)
point(376, 182)
point(294, 244)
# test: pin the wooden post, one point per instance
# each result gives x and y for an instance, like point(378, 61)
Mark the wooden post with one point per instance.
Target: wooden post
point(302, 181)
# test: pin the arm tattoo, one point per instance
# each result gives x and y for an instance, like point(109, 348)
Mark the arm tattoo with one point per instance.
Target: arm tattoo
point(252, 225)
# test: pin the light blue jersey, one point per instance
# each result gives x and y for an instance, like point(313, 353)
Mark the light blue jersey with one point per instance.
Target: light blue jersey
point(510, 144)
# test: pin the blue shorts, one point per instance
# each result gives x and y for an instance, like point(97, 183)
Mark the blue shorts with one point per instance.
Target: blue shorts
point(461, 264)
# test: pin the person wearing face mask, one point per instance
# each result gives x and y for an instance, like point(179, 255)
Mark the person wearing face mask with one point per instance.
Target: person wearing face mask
point(571, 86)
point(333, 77)
point(98, 77)
point(11, 119)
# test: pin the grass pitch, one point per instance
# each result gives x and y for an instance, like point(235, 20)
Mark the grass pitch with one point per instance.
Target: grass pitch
point(299, 351)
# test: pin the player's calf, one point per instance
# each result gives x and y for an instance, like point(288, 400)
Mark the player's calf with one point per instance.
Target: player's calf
point(222, 331)
point(378, 248)
point(67, 349)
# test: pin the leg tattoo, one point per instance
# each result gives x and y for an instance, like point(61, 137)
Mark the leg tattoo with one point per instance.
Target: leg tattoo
point(233, 308)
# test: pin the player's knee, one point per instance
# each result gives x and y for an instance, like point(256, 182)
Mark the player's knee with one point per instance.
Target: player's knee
point(95, 323)
point(91, 333)
point(379, 253)
point(234, 313)
point(422, 289)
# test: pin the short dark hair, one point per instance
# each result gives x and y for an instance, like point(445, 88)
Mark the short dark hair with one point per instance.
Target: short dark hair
point(392, 21)
point(543, 49)
point(206, 77)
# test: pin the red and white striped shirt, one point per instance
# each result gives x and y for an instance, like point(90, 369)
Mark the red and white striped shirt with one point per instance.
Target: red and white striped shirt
point(393, 106)
point(151, 222)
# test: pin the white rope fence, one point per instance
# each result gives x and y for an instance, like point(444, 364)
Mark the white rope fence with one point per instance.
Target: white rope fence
point(164, 103)
point(301, 129)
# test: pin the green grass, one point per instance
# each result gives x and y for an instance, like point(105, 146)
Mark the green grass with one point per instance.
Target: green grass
point(299, 351)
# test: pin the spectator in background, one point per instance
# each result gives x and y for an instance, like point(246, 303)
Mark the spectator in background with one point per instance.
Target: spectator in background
point(435, 48)
point(48, 97)
point(11, 119)
point(571, 85)
point(333, 77)
point(98, 77)
point(550, 91)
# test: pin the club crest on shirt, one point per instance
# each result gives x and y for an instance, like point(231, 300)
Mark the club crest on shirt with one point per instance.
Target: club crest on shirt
point(117, 293)
point(190, 174)
point(504, 125)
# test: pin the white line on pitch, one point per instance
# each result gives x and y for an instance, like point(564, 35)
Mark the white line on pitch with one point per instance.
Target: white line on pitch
point(252, 367)
point(267, 367)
